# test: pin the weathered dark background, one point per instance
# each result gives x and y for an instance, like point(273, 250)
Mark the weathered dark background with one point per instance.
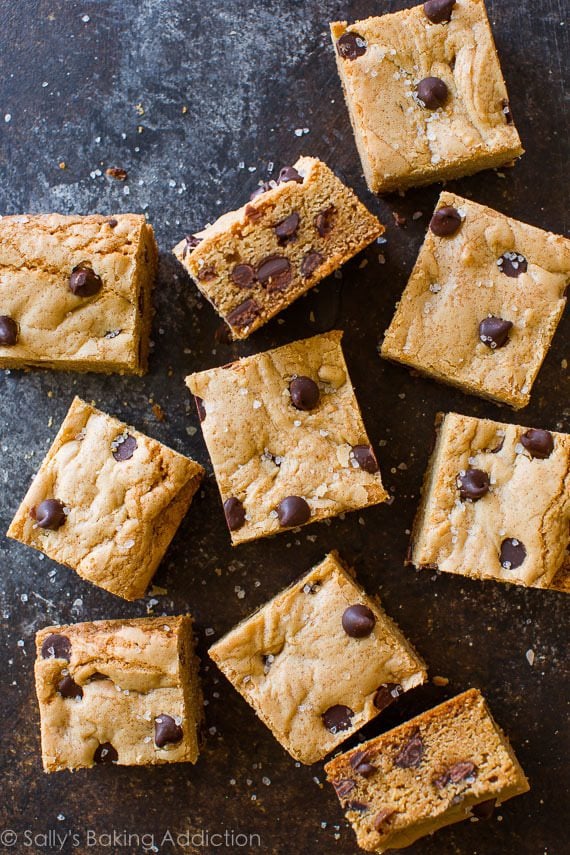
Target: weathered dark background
point(222, 87)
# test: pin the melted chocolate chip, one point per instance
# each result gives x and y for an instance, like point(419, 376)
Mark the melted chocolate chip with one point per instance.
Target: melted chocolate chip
point(56, 646)
point(512, 264)
point(286, 230)
point(360, 764)
point(382, 817)
point(166, 731)
point(201, 407)
point(386, 694)
point(275, 272)
point(438, 11)
point(311, 261)
point(445, 222)
point(244, 314)
point(432, 92)
point(123, 447)
point(513, 553)
point(351, 46)
point(358, 621)
point(365, 458)
point(105, 753)
point(84, 282)
point(304, 393)
point(8, 331)
point(289, 173)
point(243, 275)
point(68, 688)
point(235, 513)
point(206, 273)
point(473, 484)
point(462, 771)
point(344, 787)
point(411, 754)
point(50, 514)
point(324, 221)
point(484, 810)
point(494, 332)
point(539, 443)
point(293, 511)
point(337, 718)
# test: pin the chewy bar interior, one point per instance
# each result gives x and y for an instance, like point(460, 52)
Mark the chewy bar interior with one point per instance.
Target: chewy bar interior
point(425, 94)
point(75, 292)
point(496, 503)
point(253, 262)
point(483, 302)
point(118, 691)
point(448, 764)
point(318, 661)
point(286, 438)
point(106, 501)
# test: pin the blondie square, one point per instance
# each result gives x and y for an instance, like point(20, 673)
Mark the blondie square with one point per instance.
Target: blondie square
point(75, 292)
point(425, 94)
point(483, 302)
point(318, 661)
point(107, 501)
point(447, 764)
point(496, 503)
point(286, 438)
point(118, 691)
point(253, 262)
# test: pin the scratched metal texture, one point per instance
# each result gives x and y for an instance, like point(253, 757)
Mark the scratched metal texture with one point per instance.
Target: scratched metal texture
point(248, 75)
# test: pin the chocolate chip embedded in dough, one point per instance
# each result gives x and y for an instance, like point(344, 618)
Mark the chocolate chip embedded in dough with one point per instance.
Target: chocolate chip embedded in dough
point(432, 92)
point(105, 753)
point(513, 553)
point(439, 11)
point(56, 646)
point(84, 282)
point(473, 484)
point(539, 443)
point(445, 221)
point(351, 46)
point(50, 514)
point(358, 621)
point(304, 393)
point(494, 332)
point(293, 511)
point(338, 718)
point(410, 755)
point(235, 513)
point(166, 731)
point(8, 331)
point(512, 264)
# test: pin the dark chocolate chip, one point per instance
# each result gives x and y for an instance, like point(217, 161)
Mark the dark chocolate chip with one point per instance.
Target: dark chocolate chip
point(244, 314)
point(382, 817)
point(365, 458)
point(286, 230)
point(235, 513)
point(311, 261)
point(432, 92)
point(351, 46)
point(56, 646)
point(50, 514)
point(344, 787)
point(445, 222)
point(112, 223)
point(293, 511)
point(358, 621)
point(289, 173)
point(304, 393)
point(462, 771)
point(68, 688)
point(206, 273)
point(507, 111)
point(191, 243)
point(324, 221)
point(512, 264)
point(166, 731)
point(438, 11)
point(105, 753)
point(260, 190)
point(337, 718)
point(201, 407)
point(513, 553)
point(539, 443)
point(484, 810)
point(386, 694)
point(473, 484)
point(360, 764)
point(123, 447)
point(360, 807)
point(84, 282)
point(498, 446)
point(411, 754)
point(494, 332)
point(275, 272)
point(8, 331)
point(242, 275)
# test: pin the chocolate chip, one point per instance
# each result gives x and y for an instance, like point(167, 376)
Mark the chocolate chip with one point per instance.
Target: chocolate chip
point(386, 694)
point(358, 621)
point(382, 817)
point(293, 511)
point(112, 223)
point(84, 282)
point(513, 553)
point(201, 407)
point(304, 393)
point(344, 787)
point(191, 243)
point(539, 443)
point(360, 807)
point(242, 275)
point(252, 213)
point(56, 646)
point(512, 264)
point(473, 484)
point(244, 314)
point(360, 764)
point(445, 222)
point(432, 92)
point(105, 753)
point(484, 810)
point(50, 514)
point(351, 46)
point(275, 272)
point(507, 111)
point(123, 447)
point(438, 11)
point(411, 754)
point(289, 173)
point(494, 332)
point(68, 688)
point(365, 458)
point(166, 731)
point(337, 718)
point(206, 273)
point(311, 261)
point(324, 221)
point(461, 771)
point(259, 191)
point(235, 513)
point(8, 331)
point(286, 230)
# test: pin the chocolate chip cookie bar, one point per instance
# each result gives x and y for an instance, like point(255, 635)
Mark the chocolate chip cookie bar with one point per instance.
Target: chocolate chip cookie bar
point(425, 94)
point(75, 292)
point(483, 302)
point(252, 263)
point(118, 691)
point(450, 763)
point(496, 503)
point(107, 501)
point(318, 661)
point(286, 438)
